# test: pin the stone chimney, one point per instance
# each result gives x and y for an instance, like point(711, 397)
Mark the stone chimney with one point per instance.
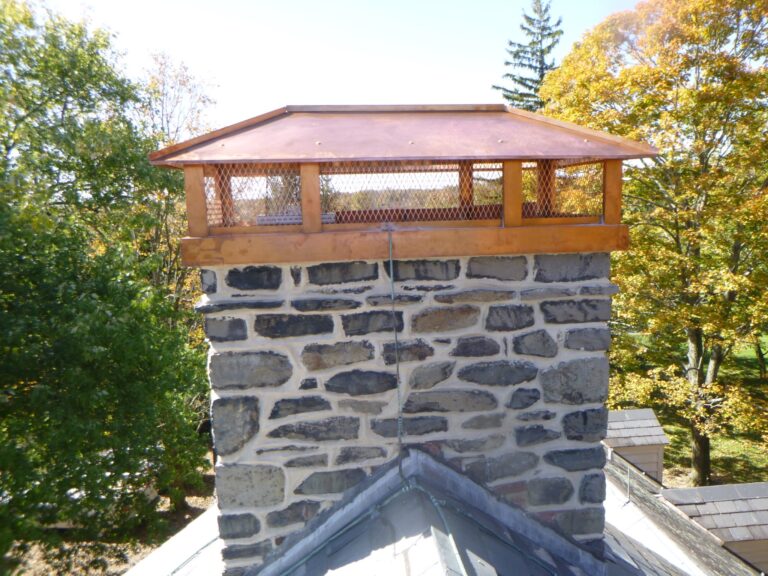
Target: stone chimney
point(492, 356)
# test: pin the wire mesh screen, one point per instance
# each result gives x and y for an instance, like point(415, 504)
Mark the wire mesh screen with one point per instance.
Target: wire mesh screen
point(253, 194)
point(562, 188)
point(410, 192)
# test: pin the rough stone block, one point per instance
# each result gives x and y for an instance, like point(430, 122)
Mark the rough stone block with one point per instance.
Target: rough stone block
point(330, 482)
point(322, 304)
point(237, 551)
point(499, 373)
point(417, 426)
point(296, 275)
point(509, 317)
point(590, 339)
point(361, 382)
point(472, 296)
point(308, 384)
point(247, 485)
point(445, 319)
point(537, 343)
point(586, 425)
point(235, 421)
point(400, 299)
point(571, 267)
point(475, 346)
point(568, 311)
point(363, 406)
point(225, 329)
point(545, 491)
point(592, 489)
point(292, 325)
point(577, 458)
point(238, 525)
point(407, 351)
point(484, 421)
point(429, 287)
point(342, 272)
point(582, 521)
point(254, 278)
point(513, 268)
point(350, 454)
point(537, 415)
point(429, 375)
point(239, 304)
point(476, 444)
point(512, 464)
point(320, 356)
point(449, 401)
point(599, 290)
point(424, 269)
point(249, 369)
point(291, 406)
point(208, 281)
point(523, 398)
point(367, 322)
point(311, 461)
point(298, 512)
point(533, 294)
point(576, 382)
point(336, 428)
point(534, 434)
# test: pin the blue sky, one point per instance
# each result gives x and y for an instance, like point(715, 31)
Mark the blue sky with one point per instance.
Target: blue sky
point(262, 54)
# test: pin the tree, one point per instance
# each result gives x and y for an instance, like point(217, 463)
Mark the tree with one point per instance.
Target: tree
point(691, 77)
point(531, 58)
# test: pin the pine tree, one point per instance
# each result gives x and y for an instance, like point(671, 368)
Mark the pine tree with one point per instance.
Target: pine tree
point(543, 36)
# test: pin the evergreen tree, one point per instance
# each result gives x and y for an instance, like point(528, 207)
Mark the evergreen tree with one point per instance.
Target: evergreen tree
point(543, 36)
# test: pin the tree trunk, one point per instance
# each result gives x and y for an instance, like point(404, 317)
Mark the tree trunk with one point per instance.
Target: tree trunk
point(700, 458)
point(760, 355)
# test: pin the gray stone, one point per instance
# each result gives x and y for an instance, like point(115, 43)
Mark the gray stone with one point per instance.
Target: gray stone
point(235, 421)
point(238, 525)
point(296, 275)
point(589, 339)
point(308, 461)
point(534, 434)
point(320, 356)
point(321, 304)
point(442, 341)
point(449, 401)
point(582, 521)
point(586, 425)
point(576, 382)
point(537, 343)
point(428, 375)
point(249, 369)
point(400, 299)
point(288, 448)
point(292, 325)
point(508, 317)
point(571, 267)
point(237, 551)
point(445, 319)
point(523, 398)
point(298, 512)
point(475, 296)
point(363, 406)
point(592, 489)
point(498, 373)
point(359, 453)
point(361, 382)
point(417, 426)
point(239, 304)
point(407, 351)
point(249, 485)
point(476, 444)
point(568, 311)
point(342, 272)
point(225, 329)
point(366, 322)
point(291, 406)
point(499, 267)
point(484, 421)
point(254, 278)
point(330, 482)
point(234, 571)
point(336, 428)
point(308, 384)
point(545, 491)
point(512, 464)
point(429, 287)
point(533, 294)
point(424, 269)
point(537, 415)
point(577, 458)
point(354, 290)
point(208, 281)
point(474, 346)
point(599, 290)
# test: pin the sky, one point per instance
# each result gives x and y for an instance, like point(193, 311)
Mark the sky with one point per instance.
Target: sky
point(258, 55)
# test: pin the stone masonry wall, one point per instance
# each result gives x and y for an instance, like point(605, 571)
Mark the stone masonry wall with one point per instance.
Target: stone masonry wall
point(503, 371)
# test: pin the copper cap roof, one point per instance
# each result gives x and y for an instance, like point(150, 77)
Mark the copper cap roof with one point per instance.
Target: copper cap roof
point(380, 133)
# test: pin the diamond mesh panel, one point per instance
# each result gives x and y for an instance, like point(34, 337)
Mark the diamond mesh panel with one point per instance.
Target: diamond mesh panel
point(410, 192)
point(562, 188)
point(253, 194)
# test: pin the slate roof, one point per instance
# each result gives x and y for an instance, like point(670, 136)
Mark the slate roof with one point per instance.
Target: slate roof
point(732, 512)
point(634, 428)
